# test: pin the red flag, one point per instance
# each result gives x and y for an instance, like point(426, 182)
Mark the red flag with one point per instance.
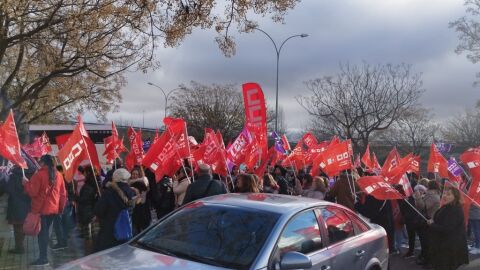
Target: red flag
point(10, 145)
point(165, 156)
point(357, 163)
point(286, 144)
point(367, 158)
point(378, 188)
point(333, 160)
point(72, 153)
point(61, 140)
point(309, 140)
point(392, 161)
point(237, 150)
point(47, 147)
point(256, 114)
point(135, 156)
point(471, 158)
point(437, 163)
point(37, 148)
point(376, 165)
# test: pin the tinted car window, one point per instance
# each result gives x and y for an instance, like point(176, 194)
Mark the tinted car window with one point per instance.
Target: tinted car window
point(339, 225)
point(358, 225)
point(301, 234)
point(214, 234)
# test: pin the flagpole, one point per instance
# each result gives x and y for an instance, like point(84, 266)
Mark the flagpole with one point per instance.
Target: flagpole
point(189, 153)
point(466, 195)
point(416, 210)
point(178, 155)
point(91, 165)
point(18, 141)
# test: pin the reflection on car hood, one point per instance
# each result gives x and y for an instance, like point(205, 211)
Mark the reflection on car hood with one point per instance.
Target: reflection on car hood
point(128, 257)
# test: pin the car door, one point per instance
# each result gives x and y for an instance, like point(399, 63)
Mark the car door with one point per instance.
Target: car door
point(343, 249)
point(302, 234)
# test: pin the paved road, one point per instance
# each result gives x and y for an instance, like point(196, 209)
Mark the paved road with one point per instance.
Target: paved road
point(397, 262)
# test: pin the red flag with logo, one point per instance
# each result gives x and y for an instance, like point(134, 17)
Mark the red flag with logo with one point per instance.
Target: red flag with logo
point(135, 156)
point(72, 153)
point(378, 188)
point(471, 158)
point(256, 114)
point(10, 145)
point(237, 150)
point(437, 163)
point(333, 160)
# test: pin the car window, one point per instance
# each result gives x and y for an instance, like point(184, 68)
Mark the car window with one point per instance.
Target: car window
point(358, 225)
point(219, 235)
point(339, 225)
point(301, 234)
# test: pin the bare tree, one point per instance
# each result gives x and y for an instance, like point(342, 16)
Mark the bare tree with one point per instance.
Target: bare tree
point(411, 132)
point(468, 29)
point(64, 56)
point(464, 130)
point(361, 100)
point(212, 106)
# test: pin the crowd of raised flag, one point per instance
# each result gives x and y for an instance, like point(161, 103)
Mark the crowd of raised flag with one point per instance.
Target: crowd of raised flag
point(176, 170)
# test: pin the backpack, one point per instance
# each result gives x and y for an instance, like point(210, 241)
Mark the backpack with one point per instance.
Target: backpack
point(123, 226)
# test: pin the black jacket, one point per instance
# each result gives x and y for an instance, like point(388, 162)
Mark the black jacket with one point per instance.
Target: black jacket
point(107, 209)
point(18, 201)
point(86, 202)
point(448, 238)
point(198, 189)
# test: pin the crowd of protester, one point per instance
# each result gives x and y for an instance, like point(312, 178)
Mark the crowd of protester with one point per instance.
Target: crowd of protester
point(102, 198)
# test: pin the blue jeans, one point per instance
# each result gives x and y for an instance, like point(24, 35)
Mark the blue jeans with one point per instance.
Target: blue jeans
point(475, 227)
point(63, 224)
point(44, 236)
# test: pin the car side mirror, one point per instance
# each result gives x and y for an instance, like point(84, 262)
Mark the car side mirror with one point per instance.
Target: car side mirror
point(295, 260)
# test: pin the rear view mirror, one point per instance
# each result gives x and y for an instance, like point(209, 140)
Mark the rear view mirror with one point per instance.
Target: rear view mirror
point(295, 260)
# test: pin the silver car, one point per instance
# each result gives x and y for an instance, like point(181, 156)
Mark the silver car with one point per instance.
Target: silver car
point(251, 231)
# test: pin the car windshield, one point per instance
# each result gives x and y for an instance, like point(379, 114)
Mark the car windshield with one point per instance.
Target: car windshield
point(219, 235)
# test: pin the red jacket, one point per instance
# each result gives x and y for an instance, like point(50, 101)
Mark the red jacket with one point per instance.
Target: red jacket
point(39, 186)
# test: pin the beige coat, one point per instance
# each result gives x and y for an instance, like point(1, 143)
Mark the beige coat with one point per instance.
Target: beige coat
point(179, 189)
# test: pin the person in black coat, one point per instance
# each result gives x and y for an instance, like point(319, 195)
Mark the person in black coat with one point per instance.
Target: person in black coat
point(17, 208)
point(86, 203)
point(282, 182)
point(204, 185)
point(448, 235)
point(379, 212)
point(117, 196)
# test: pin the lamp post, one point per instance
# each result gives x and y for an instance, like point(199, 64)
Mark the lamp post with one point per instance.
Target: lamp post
point(278, 50)
point(166, 95)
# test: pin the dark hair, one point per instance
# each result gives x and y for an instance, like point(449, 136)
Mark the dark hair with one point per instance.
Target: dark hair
point(433, 185)
point(308, 181)
point(248, 184)
point(283, 171)
point(90, 174)
point(52, 169)
point(457, 199)
point(268, 180)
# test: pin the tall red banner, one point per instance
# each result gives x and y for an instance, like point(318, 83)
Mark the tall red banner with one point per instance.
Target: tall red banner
point(256, 114)
point(10, 145)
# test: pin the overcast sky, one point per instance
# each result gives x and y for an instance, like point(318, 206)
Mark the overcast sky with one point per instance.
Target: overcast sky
point(340, 31)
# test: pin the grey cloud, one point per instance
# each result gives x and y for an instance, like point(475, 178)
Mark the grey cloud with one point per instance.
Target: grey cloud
point(375, 31)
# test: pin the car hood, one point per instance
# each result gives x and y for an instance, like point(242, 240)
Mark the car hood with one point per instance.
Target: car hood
point(128, 257)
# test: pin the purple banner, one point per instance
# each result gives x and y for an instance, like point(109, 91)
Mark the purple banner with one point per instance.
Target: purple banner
point(444, 147)
point(278, 143)
point(454, 168)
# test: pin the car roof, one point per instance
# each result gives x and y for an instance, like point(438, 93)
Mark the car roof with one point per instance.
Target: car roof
point(281, 204)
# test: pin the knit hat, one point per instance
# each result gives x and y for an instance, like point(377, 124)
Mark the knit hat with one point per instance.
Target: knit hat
point(420, 188)
point(121, 175)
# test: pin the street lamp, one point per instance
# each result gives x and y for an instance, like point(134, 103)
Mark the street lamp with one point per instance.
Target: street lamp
point(166, 95)
point(278, 50)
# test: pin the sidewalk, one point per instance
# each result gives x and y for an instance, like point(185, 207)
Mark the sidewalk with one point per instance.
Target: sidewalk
point(77, 247)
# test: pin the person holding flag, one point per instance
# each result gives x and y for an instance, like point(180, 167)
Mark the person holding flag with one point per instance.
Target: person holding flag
point(448, 235)
point(46, 188)
point(343, 191)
